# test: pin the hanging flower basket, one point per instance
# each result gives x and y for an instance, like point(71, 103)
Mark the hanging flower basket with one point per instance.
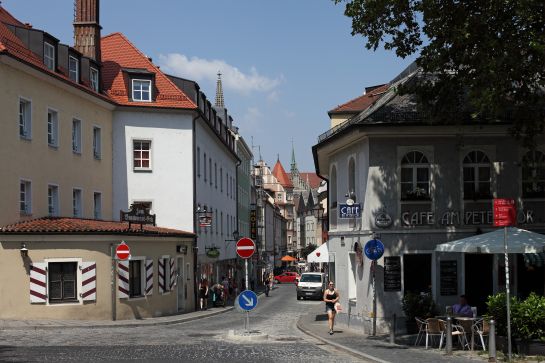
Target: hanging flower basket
point(213, 253)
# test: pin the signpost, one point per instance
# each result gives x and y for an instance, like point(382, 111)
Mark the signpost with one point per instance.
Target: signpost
point(245, 250)
point(505, 215)
point(122, 251)
point(374, 249)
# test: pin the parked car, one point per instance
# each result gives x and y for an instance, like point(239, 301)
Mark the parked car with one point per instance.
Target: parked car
point(286, 277)
point(311, 285)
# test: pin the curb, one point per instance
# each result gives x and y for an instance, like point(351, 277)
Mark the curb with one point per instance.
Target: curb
point(339, 346)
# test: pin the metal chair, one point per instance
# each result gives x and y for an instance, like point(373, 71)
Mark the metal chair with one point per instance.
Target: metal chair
point(434, 328)
point(460, 330)
point(421, 325)
point(482, 327)
point(457, 331)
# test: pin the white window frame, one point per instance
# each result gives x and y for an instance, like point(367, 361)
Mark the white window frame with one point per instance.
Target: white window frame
point(77, 205)
point(76, 138)
point(70, 71)
point(198, 162)
point(25, 118)
point(476, 178)
point(53, 134)
point(142, 260)
point(532, 169)
point(79, 261)
point(97, 142)
point(414, 167)
point(27, 211)
point(141, 168)
point(94, 78)
point(97, 207)
point(142, 81)
point(49, 60)
point(53, 200)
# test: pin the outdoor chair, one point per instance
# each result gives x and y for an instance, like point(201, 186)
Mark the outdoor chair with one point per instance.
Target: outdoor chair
point(474, 311)
point(461, 330)
point(482, 328)
point(421, 325)
point(457, 331)
point(433, 328)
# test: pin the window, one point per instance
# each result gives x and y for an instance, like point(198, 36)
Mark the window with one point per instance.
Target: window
point(97, 205)
point(96, 143)
point(352, 179)
point(52, 128)
point(216, 175)
point(49, 56)
point(73, 69)
point(198, 162)
point(142, 155)
point(76, 136)
point(333, 192)
point(279, 197)
point(53, 200)
point(141, 90)
point(533, 175)
point(25, 119)
point(221, 180)
point(25, 197)
point(94, 79)
point(476, 170)
point(222, 223)
point(210, 169)
point(76, 203)
point(135, 278)
point(227, 183)
point(62, 281)
point(217, 224)
point(415, 176)
point(205, 167)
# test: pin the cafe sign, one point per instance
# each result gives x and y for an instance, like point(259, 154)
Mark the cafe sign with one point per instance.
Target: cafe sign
point(138, 214)
point(454, 218)
point(347, 211)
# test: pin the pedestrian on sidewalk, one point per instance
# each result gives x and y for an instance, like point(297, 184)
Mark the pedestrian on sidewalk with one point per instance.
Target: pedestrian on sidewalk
point(203, 294)
point(331, 297)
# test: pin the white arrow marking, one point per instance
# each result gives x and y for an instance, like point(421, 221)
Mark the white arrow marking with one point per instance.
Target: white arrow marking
point(240, 248)
point(249, 302)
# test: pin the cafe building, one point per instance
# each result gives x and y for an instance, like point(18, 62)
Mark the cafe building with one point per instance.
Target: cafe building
point(394, 176)
point(62, 268)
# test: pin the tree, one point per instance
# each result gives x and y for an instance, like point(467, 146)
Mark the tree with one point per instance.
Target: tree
point(488, 55)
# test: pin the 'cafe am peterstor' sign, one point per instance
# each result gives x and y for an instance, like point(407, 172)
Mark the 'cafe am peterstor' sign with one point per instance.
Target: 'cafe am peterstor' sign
point(454, 218)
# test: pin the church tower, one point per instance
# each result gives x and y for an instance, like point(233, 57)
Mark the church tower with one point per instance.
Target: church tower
point(219, 93)
point(87, 28)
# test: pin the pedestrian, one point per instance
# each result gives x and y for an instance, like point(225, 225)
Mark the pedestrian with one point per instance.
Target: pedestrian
point(225, 284)
point(331, 297)
point(231, 287)
point(235, 287)
point(267, 286)
point(203, 294)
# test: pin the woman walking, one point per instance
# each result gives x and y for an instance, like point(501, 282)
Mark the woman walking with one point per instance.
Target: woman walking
point(203, 294)
point(331, 297)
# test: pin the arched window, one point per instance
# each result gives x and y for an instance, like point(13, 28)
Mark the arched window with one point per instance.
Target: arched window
point(333, 187)
point(533, 175)
point(352, 179)
point(415, 176)
point(477, 175)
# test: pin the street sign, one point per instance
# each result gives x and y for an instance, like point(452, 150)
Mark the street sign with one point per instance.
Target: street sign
point(122, 251)
point(505, 213)
point(245, 247)
point(374, 249)
point(247, 300)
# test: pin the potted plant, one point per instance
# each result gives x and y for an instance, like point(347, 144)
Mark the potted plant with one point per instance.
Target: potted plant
point(417, 305)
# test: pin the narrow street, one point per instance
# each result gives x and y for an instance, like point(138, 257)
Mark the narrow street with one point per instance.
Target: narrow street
point(197, 341)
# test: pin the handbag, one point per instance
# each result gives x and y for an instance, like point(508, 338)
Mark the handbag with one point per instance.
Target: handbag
point(338, 307)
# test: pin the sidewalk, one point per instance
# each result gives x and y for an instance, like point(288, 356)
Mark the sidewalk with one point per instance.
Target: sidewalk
point(373, 349)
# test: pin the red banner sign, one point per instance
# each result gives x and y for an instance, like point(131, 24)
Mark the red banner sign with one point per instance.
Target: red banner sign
point(505, 213)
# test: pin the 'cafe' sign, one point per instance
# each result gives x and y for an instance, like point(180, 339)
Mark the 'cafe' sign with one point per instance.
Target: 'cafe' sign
point(453, 218)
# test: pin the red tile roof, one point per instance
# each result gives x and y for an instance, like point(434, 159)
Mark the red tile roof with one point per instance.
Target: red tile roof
point(7, 18)
point(281, 175)
point(313, 179)
point(362, 102)
point(119, 53)
point(65, 225)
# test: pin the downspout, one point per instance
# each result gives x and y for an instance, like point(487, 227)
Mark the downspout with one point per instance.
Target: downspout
point(195, 246)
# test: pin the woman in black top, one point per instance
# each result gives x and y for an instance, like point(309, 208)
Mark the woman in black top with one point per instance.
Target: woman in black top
point(331, 297)
point(203, 294)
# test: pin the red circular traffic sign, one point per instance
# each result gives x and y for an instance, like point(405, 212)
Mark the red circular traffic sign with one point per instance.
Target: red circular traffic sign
point(245, 247)
point(122, 251)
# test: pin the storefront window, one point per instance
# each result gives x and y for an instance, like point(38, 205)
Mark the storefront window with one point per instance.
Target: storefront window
point(415, 176)
point(533, 175)
point(62, 281)
point(477, 176)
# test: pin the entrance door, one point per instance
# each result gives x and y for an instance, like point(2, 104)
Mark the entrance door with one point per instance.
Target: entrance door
point(417, 273)
point(478, 280)
point(181, 283)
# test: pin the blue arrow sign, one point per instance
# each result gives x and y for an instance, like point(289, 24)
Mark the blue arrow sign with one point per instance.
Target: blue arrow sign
point(247, 300)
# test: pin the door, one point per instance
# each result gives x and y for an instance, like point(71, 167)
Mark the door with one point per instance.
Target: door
point(417, 273)
point(478, 280)
point(181, 284)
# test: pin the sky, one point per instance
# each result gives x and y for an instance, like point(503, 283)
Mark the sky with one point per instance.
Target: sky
point(285, 63)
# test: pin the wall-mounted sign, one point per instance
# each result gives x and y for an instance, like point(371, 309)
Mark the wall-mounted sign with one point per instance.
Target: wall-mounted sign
point(505, 213)
point(349, 211)
point(138, 214)
point(374, 249)
point(383, 220)
point(392, 273)
point(448, 271)
point(455, 218)
point(253, 224)
point(205, 219)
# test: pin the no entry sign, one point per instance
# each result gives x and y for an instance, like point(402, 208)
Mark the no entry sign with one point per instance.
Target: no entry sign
point(122, 251)
point(245, 247)
point(505, 213)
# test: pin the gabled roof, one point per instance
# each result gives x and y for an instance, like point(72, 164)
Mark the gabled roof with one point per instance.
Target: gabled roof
point(6, 17)
point(120, 55)
point(64, 225)
point(312, 178)
point(280, 174)
point(360, 103)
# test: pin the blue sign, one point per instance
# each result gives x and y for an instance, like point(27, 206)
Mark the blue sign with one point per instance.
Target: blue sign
point(247, 300)
point(374, 249)
point(349, 211)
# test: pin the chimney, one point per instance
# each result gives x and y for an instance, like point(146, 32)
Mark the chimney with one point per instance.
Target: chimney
point(87, 28)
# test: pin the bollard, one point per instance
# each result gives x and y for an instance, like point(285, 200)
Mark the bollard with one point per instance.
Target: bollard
point(492, 341)
point(449, 336)
point(393, 331)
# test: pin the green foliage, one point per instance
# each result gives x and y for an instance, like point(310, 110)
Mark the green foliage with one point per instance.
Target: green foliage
point(418, 305)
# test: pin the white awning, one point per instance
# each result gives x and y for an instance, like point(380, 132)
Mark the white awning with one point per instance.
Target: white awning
point(518, 241)
point(321, 254)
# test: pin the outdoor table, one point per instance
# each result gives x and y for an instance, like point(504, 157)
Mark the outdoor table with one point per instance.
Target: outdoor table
point(471, 321)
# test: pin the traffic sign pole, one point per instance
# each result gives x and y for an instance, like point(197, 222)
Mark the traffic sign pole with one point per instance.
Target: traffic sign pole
point(247, 313)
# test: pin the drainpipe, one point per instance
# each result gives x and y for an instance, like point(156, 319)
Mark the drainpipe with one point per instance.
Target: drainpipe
point(195, 250)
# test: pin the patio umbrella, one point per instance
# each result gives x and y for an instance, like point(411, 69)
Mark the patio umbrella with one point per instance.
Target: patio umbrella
point(288, 259)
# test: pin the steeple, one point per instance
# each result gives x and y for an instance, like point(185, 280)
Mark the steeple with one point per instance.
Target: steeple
point(293, 162)
point(87, 28)
point(219, 93)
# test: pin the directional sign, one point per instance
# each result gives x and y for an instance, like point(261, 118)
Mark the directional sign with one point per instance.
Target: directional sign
point(505, 213)
point(122, 251)
point(247, 300)
point(245, 247)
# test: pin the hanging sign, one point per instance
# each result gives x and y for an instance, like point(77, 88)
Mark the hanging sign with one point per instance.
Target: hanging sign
point(205, 219)
point(505, 213)
point(352, 210)
point(374, 249)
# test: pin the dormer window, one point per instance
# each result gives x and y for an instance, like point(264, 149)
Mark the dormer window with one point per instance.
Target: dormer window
point(49, 56)
point(73, 69)
point(94, 79)
point(141, 90)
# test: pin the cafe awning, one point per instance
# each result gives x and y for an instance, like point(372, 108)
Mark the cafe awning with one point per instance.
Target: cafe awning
point(518, 241)
point(321, 254)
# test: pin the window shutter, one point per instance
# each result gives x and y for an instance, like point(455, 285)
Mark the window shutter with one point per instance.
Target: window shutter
point(38, 282)
point(161, 276)
point(88, 281)
point(123, 279)
point(172, 273)
point(149, 277)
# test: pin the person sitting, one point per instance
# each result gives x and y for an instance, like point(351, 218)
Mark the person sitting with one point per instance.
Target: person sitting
point(463, 308)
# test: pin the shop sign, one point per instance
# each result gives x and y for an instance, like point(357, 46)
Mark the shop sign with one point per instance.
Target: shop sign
point(455, 218)
point(138, 214)
point(205, 219)
point(383, 220)
point(448, 272)
point(392, 273)
point(213, 253)
point(253, 224)
point(347, 211)
point(505, 212)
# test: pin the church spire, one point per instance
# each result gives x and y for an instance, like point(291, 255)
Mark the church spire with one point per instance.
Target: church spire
point(219, 93)
point(293, 162)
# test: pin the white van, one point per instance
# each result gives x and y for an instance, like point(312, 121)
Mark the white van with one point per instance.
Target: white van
point(311, 285)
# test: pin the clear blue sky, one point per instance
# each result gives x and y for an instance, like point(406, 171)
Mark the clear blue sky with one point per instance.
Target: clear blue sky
point(285, 62)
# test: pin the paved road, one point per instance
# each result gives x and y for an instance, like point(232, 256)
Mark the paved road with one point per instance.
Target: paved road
point(197, 341)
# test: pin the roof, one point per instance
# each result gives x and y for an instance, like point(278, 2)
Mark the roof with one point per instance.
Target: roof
point(65, 225)
point(280, 174)
point(313, 179)
point(360, 103)
point(118, 53)
point(7, 18)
